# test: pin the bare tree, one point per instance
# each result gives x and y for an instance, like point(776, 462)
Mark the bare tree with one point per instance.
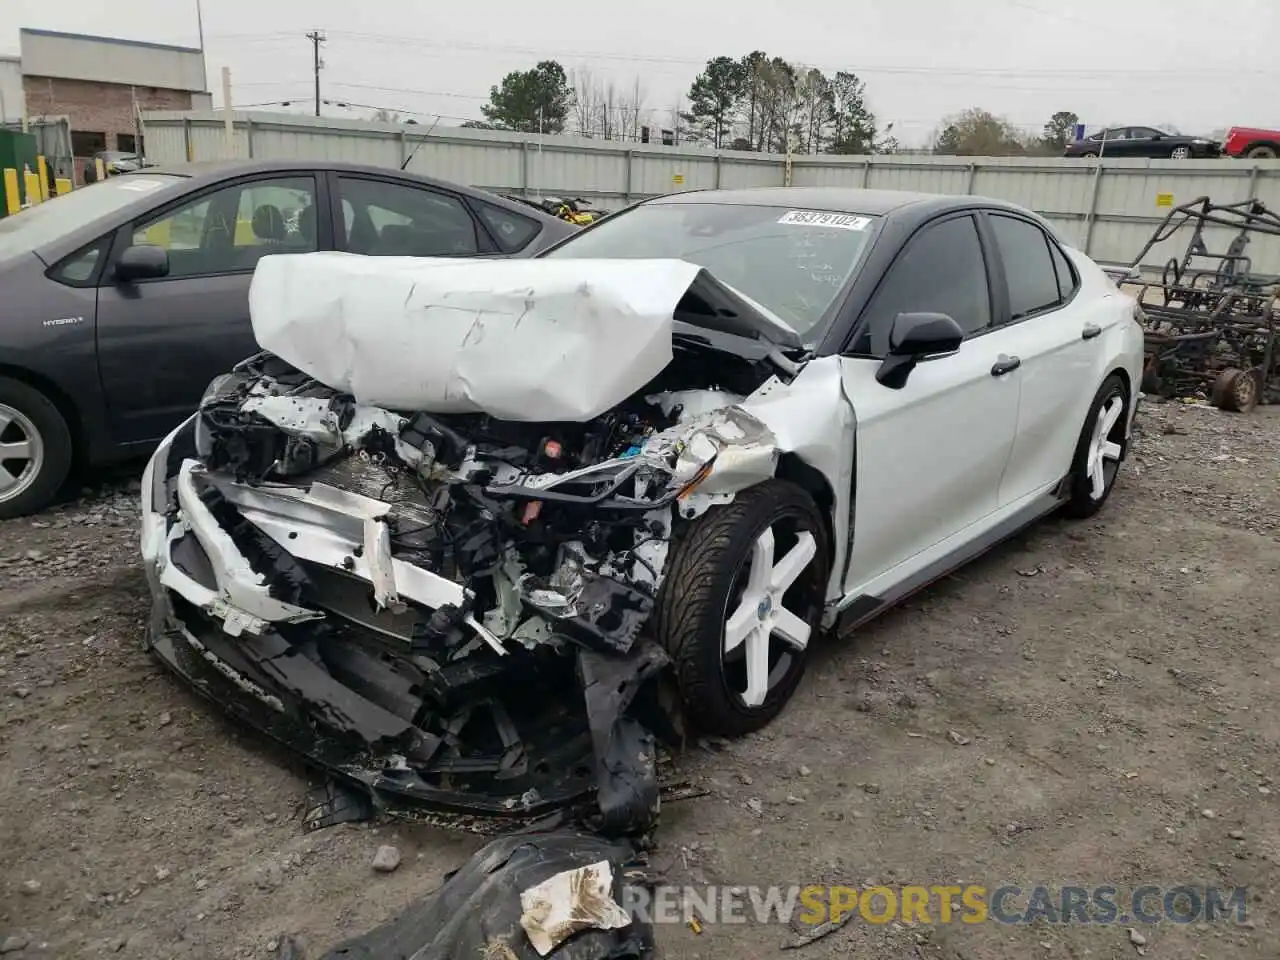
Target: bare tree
point(607, 98)
point(586, 109)
point(630, 109)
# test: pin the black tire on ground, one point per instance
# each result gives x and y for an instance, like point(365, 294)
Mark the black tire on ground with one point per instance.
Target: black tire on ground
point(1082, 502)
point(1235, 390)
point(1262, 151)
point(55, 440)
point(699, 584)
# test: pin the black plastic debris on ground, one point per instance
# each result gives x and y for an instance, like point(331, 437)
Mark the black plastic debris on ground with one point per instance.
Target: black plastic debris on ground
point(477, 911)
point(335, 803)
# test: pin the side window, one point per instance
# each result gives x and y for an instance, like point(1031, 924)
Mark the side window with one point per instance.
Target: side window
point(512, 231)
point(79, 269)
point(392, 219)
point(229, 230)
point(1066, 274)
point(1028, 266)
point(277, 212)
point(940, 271)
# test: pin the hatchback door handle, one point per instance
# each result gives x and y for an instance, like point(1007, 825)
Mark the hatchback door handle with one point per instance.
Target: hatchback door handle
point(1090, 331)
point(1005, 365)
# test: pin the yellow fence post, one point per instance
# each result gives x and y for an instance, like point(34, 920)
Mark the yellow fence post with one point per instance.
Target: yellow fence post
point(12, 200)
point(42, 168)
point(100, 169)
point(32, 186)
point(63, 184)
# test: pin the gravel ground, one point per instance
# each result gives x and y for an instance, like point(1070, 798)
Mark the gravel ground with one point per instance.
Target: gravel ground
point(1091, 703)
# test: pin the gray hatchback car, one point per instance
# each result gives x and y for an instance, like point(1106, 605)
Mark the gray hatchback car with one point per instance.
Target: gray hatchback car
point(121, 301)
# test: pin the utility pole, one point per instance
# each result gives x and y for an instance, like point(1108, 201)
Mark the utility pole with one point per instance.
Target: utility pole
point(228, 115)
point(204, 67)
point(317, 38)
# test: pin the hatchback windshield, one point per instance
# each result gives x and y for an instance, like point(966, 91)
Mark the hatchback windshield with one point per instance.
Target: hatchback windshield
point(793, 262)
point(38, 225)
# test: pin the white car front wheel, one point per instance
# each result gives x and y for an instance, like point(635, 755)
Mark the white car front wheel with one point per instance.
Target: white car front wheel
point(1100, 449)
point(741, 603)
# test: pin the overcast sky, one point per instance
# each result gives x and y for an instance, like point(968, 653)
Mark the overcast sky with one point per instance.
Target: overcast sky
point(1199, 65)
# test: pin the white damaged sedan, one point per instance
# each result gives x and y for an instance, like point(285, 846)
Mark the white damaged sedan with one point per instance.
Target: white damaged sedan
point(443, 532)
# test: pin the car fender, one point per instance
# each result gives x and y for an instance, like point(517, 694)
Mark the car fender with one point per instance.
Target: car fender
point(1122, 350)
point(804, 425)
point(48, 339)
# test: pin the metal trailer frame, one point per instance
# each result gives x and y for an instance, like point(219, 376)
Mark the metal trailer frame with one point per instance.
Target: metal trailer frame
point(1212, 329)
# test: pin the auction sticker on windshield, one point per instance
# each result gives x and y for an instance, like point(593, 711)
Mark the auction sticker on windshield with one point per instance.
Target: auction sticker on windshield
point(140, 185)
point(816, 218)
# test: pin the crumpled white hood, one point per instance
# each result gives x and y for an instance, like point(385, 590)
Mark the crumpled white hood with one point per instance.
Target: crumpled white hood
point(527, 340)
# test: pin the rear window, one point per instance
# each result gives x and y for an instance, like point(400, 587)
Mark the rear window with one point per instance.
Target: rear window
point(512, 231)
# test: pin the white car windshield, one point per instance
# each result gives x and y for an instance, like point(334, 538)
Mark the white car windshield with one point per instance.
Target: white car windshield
point(792, 262)
point(32, 228)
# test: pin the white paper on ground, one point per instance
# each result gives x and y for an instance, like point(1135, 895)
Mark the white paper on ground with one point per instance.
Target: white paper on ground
point(530, 340)
point(573, 900)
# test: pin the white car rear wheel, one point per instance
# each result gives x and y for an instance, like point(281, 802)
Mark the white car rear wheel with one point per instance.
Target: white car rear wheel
point(1101, 448)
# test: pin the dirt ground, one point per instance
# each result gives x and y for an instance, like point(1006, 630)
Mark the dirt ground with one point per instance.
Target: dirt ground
point(1092, 703)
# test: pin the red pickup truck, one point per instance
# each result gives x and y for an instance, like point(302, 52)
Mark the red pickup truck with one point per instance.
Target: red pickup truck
point(1252, 142)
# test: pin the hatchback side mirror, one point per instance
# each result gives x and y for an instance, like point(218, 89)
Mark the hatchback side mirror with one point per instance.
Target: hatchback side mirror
point(142, 262)
point(912, 338)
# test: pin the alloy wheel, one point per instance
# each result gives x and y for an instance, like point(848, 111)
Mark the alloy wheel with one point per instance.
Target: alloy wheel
point(769, 626)
point(21, 452)
point(1104, 450)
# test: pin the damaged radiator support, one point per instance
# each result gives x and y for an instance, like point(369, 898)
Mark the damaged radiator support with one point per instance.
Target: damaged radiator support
point(422, 539)
point(400, 598)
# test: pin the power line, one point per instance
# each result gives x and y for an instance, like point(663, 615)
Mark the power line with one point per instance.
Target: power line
point(1013, 73)
point(421, 93)
point(1108, 73)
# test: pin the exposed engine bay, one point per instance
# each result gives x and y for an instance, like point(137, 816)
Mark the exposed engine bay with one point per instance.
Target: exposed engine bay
point(447, 607)
point(426, 588)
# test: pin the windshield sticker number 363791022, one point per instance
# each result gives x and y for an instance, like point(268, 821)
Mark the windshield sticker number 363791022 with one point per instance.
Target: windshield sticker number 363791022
point(817, 218)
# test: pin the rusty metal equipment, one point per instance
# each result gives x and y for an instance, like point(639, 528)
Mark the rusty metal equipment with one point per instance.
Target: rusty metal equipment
point(1210, 322)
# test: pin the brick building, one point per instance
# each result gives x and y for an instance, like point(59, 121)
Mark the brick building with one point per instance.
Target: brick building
point(99, 84)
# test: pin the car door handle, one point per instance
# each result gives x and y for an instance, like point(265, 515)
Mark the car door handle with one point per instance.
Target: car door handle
point(1005, 365)
point(1090, 331)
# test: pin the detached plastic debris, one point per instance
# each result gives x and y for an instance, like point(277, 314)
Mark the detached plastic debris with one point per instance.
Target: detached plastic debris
point(522, 897)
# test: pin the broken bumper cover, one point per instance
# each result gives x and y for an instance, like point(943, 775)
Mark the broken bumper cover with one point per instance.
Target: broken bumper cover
point(261, 648)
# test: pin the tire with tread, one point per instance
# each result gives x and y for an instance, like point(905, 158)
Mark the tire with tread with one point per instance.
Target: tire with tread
point(56, 439)
point(1081, 503)
point(1235, 390)
point(1262, 151)
point(691, 605)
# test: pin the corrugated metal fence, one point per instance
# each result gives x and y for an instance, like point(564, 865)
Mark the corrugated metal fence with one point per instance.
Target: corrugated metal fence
point(1108, 208)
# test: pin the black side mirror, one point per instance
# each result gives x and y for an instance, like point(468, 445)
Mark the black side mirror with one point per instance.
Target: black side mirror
point(142, 262)
point(912, 338)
